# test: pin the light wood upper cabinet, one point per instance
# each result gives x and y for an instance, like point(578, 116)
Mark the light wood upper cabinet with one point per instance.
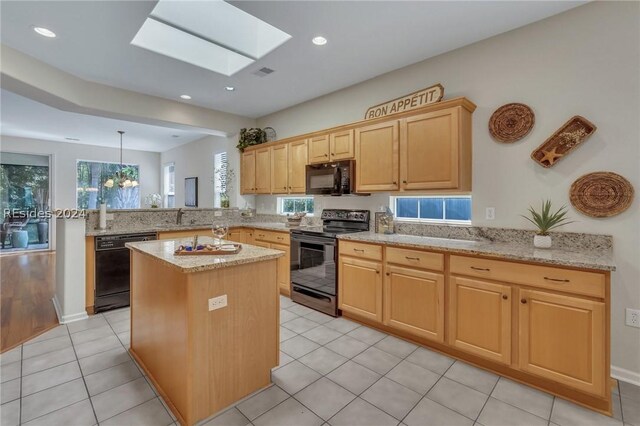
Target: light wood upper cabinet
point(248, 173)
point(319, 149)
point(480, 318)
point(430, 150)
point(297, 167)
point(414, 302)
point(377, 158)
point(263, 171)
point(360, 289)
point(341, 145)
point(280, 169)
point(562, 338)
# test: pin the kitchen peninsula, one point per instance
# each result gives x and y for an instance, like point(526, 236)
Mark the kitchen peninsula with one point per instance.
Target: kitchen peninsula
point(202, 359)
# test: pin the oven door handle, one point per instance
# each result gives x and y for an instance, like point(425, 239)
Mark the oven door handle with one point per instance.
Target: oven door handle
point(313, 240)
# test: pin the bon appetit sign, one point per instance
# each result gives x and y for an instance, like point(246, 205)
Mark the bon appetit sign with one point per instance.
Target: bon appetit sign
point(408, 102)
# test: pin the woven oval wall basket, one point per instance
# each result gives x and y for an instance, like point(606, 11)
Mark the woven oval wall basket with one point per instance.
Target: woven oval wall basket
point(511, 122)
point(601, 194)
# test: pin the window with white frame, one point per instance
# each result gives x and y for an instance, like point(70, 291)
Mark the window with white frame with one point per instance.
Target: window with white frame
point(438, 209)
point(291, 205)
point(219, 178)
point(169, 185)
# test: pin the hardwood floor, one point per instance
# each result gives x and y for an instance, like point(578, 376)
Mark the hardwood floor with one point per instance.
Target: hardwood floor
point(27, 285)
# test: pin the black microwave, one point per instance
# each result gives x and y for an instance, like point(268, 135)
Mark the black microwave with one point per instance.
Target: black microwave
point(335, 178)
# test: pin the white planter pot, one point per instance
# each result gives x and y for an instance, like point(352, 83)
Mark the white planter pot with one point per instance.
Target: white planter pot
point(542, 241)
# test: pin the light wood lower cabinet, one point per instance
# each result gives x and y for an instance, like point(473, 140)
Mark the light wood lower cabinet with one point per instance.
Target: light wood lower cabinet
point(360, 288)
point(414, 302)
point(562, 338)
point(238, 235)
point(480, 318)
point(264, 238)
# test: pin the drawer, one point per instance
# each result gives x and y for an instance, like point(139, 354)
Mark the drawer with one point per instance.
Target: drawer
point(415, 258)
point(365, 251)
point(271, 236)
point(548, 277)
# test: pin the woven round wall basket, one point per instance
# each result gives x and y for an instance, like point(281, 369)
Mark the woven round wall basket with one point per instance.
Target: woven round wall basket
point(511, 122)
point(601, 194)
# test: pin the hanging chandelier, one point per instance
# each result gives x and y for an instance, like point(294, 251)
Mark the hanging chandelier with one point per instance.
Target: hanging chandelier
point(121, 177)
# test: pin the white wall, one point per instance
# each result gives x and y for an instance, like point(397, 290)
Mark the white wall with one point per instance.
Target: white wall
point(585, 61)
point(197, 159)
point(65, 156)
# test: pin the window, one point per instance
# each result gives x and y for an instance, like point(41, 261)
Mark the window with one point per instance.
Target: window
point(290, 205)
point(443, 209)
point(90, 179)
point(220, 180)
point(169, 185)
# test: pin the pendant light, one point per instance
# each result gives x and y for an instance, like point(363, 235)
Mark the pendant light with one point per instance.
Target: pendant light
point(124, 181)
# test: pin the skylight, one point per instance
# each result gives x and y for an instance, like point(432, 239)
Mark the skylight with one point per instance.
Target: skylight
point(210, 34)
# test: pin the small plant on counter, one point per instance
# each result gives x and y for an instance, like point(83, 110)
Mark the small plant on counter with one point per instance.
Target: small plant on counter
point(545, 221)
point(153, 200)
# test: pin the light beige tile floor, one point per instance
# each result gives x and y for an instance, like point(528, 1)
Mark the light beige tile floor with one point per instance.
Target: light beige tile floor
point(332, 372)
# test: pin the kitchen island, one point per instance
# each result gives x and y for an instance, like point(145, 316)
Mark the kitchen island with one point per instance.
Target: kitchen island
point(202, 360)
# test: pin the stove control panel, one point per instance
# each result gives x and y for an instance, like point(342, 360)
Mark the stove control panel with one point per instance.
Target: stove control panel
point(346, 215)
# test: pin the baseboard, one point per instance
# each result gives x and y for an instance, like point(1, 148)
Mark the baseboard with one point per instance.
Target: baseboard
point(66, 319)
point(625, 375)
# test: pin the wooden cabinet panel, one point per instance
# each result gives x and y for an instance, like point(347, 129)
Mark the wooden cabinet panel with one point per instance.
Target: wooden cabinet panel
point(365, 251)
point(360, 287)
point(280, 169)
point(415, 258)
point(284, 268)
point(248, 173)
point(549, 277)
point(480, 318)
point(429, 150)
point(562, 338)
point(414, 302)
point(238, 235)
point(297, 167)
point(319, 149)
point(377, 159)
point(341, 145)
point(271, 236)
point(263, 171)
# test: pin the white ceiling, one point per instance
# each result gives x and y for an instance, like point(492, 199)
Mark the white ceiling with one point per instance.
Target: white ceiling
point(25, 118)
point(366, 39)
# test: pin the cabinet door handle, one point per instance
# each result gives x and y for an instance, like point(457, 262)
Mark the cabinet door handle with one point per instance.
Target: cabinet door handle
point(480, 269)
point(289, 187)
point(358, 250)
point(556, 280)
point(284, 187)
point(395, 183)
point(388, 273)
point(326, 155)
point(404, 181)
point(279, 238)
point(332, 154)
point(523, 301)
point(505, 297)
point(411, 258)
point(377, 272)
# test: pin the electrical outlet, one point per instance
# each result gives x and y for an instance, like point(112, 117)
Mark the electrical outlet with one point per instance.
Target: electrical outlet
point(490, 213)
point(632, 317)
point(217, 213)
point(217, 302)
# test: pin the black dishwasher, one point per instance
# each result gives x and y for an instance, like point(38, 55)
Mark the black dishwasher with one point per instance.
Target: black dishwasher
point(112, 270)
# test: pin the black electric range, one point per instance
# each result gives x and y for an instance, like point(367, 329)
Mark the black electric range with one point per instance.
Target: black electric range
point(314, 257)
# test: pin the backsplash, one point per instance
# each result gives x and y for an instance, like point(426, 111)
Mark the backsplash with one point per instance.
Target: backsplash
point(566, 240)
point(128, 220)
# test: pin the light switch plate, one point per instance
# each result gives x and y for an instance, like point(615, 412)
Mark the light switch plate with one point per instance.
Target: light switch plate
point(490, 213)
point(217, 213)
point(217, 302)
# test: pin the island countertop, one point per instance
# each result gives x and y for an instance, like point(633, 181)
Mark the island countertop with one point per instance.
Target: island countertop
point(163, 250)
point(597, 259)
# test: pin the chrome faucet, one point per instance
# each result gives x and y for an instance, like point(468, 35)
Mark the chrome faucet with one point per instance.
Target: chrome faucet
point(179, 216)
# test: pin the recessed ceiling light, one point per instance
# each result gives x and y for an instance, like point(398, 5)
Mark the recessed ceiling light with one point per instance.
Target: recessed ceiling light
point(44, 32)
point(187, 97)
point(229, 88)
point(319, 41)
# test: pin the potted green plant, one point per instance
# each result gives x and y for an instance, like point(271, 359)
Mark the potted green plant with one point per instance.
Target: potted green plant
point(249, 137)
point(545, 221)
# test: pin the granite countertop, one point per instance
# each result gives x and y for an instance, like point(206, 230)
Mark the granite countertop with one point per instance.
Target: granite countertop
point(163, 250)
point(598, 259)
point(169, 227)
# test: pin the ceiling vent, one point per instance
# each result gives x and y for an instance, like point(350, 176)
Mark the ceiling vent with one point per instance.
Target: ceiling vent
point(263, 72)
